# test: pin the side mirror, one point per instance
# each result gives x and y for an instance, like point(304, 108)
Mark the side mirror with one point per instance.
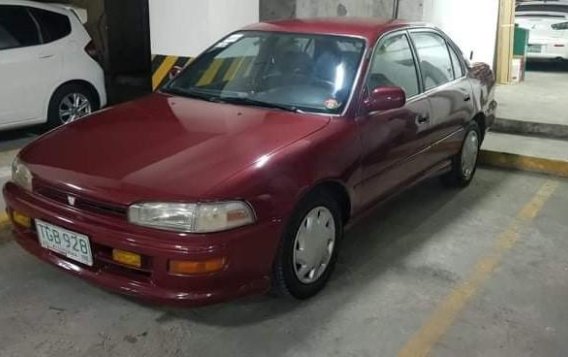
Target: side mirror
point(175, 71)
point(385, 98)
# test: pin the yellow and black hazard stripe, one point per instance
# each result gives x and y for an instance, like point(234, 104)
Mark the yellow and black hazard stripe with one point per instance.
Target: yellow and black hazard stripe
point(222, 69)
point(161, 67)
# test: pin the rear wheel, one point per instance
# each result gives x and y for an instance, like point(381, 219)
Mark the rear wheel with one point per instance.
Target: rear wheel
point(308, 251)
point(464, 165)
point(69, 103)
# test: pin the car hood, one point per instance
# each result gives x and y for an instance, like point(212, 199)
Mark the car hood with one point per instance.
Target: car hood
point(162, 147)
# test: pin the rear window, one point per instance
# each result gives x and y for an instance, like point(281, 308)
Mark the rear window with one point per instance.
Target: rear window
point(543, 8)
point(54, 26)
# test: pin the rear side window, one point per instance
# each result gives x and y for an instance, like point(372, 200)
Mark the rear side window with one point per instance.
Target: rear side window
point(393, 65)
point(53, 26)
point(17, 28)
point(435, 61)
point(458, 67)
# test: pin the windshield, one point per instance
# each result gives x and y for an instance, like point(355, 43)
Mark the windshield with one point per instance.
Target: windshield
point(297, 72)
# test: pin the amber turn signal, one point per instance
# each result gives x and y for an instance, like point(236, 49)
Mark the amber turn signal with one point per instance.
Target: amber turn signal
point(181, 267)
point(21, 219)
point(127, 258)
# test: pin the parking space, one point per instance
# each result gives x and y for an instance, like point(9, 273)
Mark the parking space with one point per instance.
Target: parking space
point(477, 272)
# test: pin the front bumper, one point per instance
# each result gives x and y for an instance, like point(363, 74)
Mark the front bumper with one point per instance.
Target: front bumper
point(249, 253)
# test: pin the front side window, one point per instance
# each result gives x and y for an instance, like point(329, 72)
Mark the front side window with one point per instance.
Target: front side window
point(17, 28)
point(54, 26)
point(458, 67)
point(393, 65)
point(435, 62)
point(299, 72)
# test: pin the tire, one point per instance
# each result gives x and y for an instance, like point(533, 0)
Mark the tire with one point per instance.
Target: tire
point(463, 171)
point(60, 100)
point(287, 277)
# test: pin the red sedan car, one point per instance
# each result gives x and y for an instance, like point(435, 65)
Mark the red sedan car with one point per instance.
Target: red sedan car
point(240, 174)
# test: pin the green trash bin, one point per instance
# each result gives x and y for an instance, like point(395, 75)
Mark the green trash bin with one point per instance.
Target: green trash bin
point(521, 41)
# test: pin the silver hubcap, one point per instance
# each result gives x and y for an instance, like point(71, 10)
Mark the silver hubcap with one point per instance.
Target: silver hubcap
point(314, 244)
point(469, 155)
point(74, 106)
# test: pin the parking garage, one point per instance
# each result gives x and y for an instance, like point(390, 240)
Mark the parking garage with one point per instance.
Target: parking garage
point(329, 182)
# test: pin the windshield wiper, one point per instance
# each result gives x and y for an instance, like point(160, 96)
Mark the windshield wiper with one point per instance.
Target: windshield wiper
point(192, 94)
point(259, 103)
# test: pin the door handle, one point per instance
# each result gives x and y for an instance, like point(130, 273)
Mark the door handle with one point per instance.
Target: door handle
point(421, 119)
point(467, 98)
point(45, 56)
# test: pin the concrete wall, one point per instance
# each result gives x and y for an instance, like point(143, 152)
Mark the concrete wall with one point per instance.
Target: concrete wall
point(356, 8)
point(187, 27)
point(408, 9)
point(277, 9)
point(471, 24)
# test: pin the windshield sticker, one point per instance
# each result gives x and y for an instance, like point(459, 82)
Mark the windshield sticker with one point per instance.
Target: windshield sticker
point(331, 104)
point(229, 40)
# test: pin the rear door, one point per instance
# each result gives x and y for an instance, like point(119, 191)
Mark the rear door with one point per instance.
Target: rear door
point(27, 67)
point(394, 141)
point(448, 90)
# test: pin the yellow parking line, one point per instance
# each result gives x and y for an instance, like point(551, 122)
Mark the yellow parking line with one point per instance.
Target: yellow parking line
point(163, 70)
point(445, 314)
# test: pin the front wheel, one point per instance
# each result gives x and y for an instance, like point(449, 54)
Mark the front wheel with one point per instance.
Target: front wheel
point(308, 250)
point(464, 165)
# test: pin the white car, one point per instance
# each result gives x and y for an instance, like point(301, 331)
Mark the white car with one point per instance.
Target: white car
point(47, 68)
point(548, 25)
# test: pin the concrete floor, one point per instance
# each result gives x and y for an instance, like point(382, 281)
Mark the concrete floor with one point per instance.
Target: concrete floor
point(541, 98)
point(476, 272)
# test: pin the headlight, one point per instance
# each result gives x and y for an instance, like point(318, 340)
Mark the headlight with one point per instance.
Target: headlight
point(190, 217)
point(21, 176)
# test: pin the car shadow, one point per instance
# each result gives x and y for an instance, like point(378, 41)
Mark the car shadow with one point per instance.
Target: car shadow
point(381, 239)
point(17, 138)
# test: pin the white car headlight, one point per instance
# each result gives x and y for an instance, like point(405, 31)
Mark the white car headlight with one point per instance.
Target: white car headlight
point(21, 175)
point(192, 217)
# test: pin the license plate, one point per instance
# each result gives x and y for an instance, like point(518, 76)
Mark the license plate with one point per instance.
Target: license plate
point(70, 244)
point(535, 48)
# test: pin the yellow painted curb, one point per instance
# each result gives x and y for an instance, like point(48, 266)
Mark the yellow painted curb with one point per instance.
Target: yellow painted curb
point(524, 163)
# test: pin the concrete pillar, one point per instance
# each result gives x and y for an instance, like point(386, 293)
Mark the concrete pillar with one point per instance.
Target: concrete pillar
point(277, 9)
point(355, 8)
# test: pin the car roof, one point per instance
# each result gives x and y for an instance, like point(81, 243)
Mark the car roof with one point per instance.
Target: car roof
point(367, 28)
point(45, 6)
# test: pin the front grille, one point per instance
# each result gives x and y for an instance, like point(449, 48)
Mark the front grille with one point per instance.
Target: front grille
point(80, 202)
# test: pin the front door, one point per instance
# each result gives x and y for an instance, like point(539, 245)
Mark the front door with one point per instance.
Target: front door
point(394, 141)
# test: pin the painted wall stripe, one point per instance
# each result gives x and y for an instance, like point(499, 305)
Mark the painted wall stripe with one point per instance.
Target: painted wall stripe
point(163, 71)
